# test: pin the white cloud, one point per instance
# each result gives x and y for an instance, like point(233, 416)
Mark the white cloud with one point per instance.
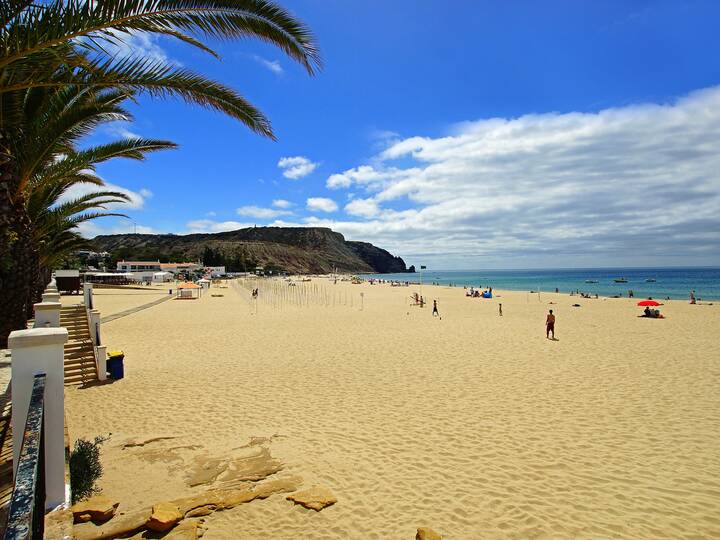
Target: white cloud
point(211, 214)
point(91, 229)
point(282, 203)
point(145, 192)
point(272, 65)
point(261, 213)
point(210, 226)
point(321, 204)
point(368, 176)
point(137, 44)
point(630, 185)
point(137, 199)
point(296, 167)
point(362, 207)
point(121, 129)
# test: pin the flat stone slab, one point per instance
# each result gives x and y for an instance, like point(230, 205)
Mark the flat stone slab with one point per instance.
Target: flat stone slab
point(120, 526)
point(164, 516)
point(96, 508)
point(315, 498)
point(187, 530)
point(426, 533)
point(216, 500)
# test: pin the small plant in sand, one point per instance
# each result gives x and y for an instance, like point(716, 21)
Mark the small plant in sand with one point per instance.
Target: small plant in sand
point(85, 468)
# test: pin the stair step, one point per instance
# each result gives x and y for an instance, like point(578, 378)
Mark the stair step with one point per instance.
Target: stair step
point(87, 359)
point(87, 373)
point(79, 353)
point(85, 368)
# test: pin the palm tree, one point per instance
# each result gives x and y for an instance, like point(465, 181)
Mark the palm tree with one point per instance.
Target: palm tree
point(54, 120)
point(53, 227)
point(67, 42)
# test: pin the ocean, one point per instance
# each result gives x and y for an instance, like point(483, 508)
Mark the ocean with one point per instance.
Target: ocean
point(675, 283)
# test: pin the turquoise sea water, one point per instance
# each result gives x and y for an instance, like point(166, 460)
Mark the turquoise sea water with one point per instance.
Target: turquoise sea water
point(675, 283)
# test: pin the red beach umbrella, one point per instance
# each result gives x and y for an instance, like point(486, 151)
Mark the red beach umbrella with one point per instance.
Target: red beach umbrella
point(648, 303)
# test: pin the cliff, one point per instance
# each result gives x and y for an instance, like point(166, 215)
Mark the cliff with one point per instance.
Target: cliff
point(297, 250)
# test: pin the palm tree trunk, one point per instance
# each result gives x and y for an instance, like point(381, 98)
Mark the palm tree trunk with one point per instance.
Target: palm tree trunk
point(18, 256)
point(36, 289)
point(41, 282)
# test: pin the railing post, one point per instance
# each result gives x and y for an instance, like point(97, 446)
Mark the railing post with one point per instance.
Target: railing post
point(47, 314)
point(51, 296)
point(40, 350)
point(101, 357)
point(94, 325)
point(88, 295)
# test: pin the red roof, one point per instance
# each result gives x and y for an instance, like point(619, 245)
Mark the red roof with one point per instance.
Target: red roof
point(176, 265)
point(187, 285)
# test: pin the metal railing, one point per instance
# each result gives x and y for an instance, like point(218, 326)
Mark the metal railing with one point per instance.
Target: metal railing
point(26, 519)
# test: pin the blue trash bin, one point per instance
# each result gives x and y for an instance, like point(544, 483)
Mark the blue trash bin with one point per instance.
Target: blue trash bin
point(115, 366)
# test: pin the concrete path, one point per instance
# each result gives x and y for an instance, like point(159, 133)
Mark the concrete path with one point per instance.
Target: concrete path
point(135, 309)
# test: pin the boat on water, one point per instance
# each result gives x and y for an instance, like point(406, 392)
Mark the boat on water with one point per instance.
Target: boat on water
point(620, 280)
point(591, 281)
point(650, 280)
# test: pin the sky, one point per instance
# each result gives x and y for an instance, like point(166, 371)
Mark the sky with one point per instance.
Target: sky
point(490, 135)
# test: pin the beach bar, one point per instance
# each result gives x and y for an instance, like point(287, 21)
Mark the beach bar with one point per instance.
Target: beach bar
point(188, 291)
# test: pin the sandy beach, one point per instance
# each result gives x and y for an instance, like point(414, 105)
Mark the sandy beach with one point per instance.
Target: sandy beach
point(473, 424)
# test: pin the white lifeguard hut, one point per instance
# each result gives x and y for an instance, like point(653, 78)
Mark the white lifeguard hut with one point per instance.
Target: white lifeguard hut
point(162, 277)
point(204, 283)
point(188, 291)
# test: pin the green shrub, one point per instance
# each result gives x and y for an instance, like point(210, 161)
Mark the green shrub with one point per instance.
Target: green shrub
point(85, 468)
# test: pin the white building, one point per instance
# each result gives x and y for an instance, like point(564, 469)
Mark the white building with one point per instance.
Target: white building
point(176, 268)
point(147, 270)
point(162, 277)
point(139, 270)
point(215, 271)
point(138, 266)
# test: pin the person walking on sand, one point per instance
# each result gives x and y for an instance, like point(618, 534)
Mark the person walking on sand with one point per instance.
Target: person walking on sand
point(500, 309)
point(550, 325)
point(436, 313)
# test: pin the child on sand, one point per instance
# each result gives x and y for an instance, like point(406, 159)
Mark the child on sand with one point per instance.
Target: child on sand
point(500, 309)
point(550, 325)
point(436, 313)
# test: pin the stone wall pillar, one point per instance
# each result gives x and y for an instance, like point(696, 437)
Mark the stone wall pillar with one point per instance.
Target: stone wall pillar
point(101, 358)
point(50, 296)
point(94, 324)
point(88, 295)
point(40, 350)
point(47, 314)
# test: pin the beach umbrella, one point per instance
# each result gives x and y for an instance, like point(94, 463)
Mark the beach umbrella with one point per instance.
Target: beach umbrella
point(648, 303)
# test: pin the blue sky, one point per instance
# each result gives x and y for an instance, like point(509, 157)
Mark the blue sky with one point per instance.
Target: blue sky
point(495, 134)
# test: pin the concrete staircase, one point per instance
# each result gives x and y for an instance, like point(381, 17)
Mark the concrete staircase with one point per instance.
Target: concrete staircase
point(80, 366)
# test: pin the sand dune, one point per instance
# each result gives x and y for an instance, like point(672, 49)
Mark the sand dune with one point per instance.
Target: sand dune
point(475, 424)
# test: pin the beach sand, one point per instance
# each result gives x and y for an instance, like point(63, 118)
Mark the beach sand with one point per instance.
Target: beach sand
point(475, 425)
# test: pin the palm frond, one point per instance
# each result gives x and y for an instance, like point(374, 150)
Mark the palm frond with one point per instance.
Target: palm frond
point(134, 148)
point(159, 79)
point(62, 22)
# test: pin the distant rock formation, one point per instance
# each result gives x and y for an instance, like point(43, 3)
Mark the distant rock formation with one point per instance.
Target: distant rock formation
point(297, 250)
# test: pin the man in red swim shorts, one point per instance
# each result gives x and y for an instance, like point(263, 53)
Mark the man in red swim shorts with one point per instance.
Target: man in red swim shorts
point(550, 325)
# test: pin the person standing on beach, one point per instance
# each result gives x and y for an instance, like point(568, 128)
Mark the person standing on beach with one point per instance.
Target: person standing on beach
point(436, 313)
point(550, 325)
point(500, 309)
